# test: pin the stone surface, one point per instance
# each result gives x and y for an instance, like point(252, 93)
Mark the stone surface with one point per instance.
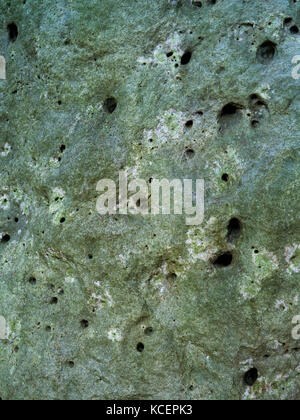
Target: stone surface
point(132, 307)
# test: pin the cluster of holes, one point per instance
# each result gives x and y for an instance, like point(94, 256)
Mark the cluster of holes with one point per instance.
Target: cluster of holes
point(289, 23)
point(234, 229)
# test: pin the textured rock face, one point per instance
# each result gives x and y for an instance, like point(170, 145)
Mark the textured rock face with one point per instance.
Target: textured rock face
point(132, 307)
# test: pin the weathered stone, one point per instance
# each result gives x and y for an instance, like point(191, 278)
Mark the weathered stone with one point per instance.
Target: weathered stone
point(132, 307)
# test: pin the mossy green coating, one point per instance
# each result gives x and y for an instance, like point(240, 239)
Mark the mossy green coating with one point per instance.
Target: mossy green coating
point(124, 274)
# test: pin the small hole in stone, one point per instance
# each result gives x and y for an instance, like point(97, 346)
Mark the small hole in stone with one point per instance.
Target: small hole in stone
point(62, 220)
point(189, 124)
point(140, 347)
point(287, 21)
point(186, 58)
point(169, 54)
point(16, 220)
point(149, 331)
point(12, 32)
point(234, 229)
point(251, 377)
point(54, 301)
point(48, 328)
point(16, 349)
point(71, 364)
point(255, 123)
point(32, 281)
point(62, 148)
point(197, 3)
point(110, 105)
point(225, 177)
point(294, 30)
point(229, 109)
point(223, 260)
point(5, 238)
point(189, 153)
point(266, 52)
point(172, 276)
point(84, 323)
point(90, 256)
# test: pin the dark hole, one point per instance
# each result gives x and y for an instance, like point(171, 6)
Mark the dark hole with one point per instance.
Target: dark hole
point(90, 256)
point(189, 153)
point(186, 58)
point(251, 377)
point(16, 219)
point(288, 21)
point(294, 29)
point(223, 260)
point(62, 148)
point(169, 54)
point(229, 109)
point(54, 301)
point(48, 329)
point(189, 124)
point(62, 220)
point(172, 276)
point(212, 1)
point(32, 281)
point(71, 364)
point(225, 177)
point(197, 3)
point(84, 323)
point(110, 105)
point(5, 238)
point(12, 32)
point(140, 347)
point(266, 52)
point(16, 349)
point(255, 123)
point(234, 229)
point(59, 102)
point(149, 331)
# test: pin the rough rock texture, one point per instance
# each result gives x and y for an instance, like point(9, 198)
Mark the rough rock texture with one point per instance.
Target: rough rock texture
point(133, 307)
